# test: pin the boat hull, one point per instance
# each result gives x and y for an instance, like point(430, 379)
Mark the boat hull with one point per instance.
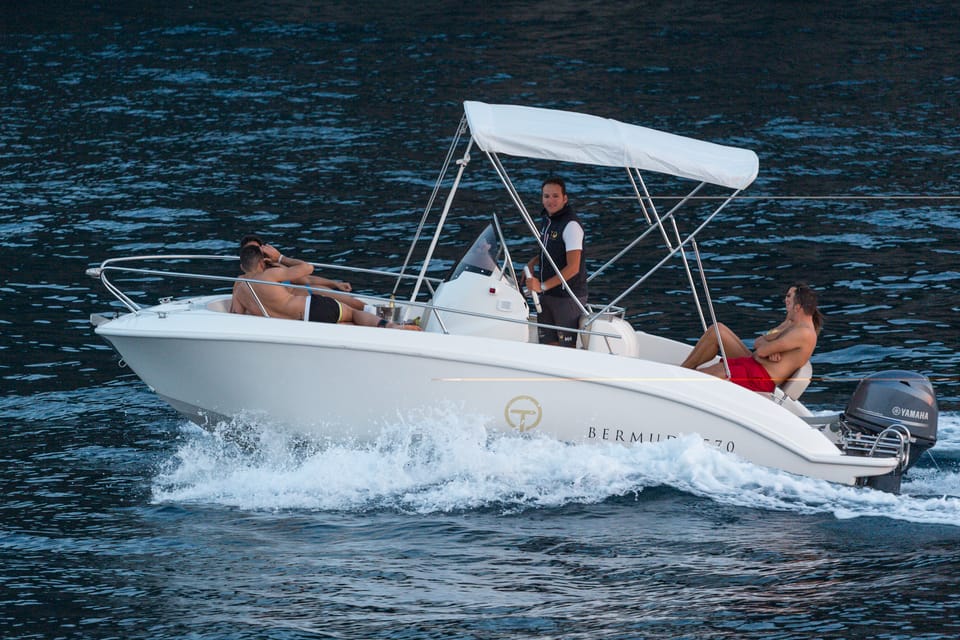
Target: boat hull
point(347, 383)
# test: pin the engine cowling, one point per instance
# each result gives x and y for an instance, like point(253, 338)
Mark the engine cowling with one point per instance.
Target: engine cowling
point(894, 400)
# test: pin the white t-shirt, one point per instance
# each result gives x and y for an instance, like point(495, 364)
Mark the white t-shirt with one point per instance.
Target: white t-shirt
point(573, 237)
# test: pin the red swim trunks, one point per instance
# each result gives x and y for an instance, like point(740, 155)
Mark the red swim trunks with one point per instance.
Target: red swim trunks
point(750, 374)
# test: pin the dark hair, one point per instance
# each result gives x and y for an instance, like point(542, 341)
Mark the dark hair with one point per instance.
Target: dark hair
point(806, 297)
point(250, 256)
point(557, 181)
point(250, 237)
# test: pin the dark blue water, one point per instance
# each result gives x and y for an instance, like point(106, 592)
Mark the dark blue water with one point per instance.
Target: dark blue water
point(176, 127)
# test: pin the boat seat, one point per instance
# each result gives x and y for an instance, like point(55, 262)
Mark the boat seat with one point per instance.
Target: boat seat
point(222, 305)
point(794, 386)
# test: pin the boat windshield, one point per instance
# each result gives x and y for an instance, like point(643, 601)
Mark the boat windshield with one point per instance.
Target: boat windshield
point(484, 255)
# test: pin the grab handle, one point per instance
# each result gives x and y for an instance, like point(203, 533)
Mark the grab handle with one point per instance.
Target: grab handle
point(533, 294)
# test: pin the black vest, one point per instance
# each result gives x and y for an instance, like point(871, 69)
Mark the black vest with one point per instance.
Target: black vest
point(552, 236)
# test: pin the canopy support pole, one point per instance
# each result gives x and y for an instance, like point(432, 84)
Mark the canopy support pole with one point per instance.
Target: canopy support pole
point(461, 129)
point(666, 239)
point(713, 315)
point(502, 173)
point(669, 255)
point(462, 163)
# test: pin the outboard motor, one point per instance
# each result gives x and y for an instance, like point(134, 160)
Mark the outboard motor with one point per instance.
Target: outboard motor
point(890, 411)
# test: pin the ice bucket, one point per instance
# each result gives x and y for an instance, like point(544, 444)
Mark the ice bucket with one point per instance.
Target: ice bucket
point(390, 313)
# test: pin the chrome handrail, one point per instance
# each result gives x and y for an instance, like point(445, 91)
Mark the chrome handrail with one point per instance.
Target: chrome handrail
point(894, 441)
point(110, 266)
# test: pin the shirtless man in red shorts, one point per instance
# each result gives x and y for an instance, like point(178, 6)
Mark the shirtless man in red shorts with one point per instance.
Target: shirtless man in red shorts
point(776, 354)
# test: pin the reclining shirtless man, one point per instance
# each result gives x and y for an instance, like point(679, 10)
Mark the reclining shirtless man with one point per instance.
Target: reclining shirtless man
point(280, 302)
point(776, 354)
point(309, 281)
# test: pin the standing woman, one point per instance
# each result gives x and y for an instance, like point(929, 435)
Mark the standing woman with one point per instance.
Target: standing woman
point(562, 235)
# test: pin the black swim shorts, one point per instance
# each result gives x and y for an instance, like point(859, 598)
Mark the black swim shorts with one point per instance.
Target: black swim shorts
point(317, 308)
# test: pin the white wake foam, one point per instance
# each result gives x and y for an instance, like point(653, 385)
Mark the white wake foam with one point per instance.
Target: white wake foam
point(442, 461)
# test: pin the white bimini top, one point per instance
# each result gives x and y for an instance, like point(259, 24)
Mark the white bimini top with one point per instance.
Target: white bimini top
point(549, 134)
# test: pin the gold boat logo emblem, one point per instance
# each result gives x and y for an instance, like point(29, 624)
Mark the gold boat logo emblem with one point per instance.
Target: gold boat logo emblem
point(523, 413)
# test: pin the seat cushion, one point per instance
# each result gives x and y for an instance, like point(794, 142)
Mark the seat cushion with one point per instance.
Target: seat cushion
point(796, 384)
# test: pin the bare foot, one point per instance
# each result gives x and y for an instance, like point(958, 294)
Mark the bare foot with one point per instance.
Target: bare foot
point(405, 327)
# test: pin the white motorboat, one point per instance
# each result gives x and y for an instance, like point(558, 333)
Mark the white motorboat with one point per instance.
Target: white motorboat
point(478, 350)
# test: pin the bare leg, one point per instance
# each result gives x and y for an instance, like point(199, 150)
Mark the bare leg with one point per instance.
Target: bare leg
point(707, 347)
point(366, 319)
point(717, 370)
point(342, 298)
